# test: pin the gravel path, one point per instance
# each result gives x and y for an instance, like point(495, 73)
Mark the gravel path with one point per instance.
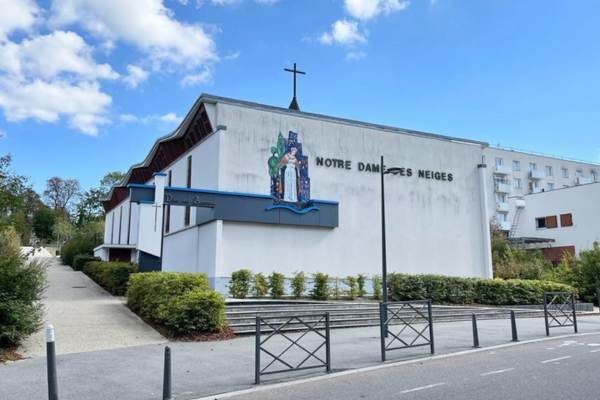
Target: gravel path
point(86, 317)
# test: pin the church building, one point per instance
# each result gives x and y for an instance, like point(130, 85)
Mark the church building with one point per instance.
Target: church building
point(245, 185)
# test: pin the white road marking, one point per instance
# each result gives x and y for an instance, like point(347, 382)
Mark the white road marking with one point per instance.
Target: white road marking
point(422, 388)
point(556, 359)
point(595, 351)
point(593, 344)
point(497, 372)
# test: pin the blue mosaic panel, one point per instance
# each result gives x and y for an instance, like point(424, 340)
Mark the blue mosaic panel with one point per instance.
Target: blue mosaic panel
point(285, 148)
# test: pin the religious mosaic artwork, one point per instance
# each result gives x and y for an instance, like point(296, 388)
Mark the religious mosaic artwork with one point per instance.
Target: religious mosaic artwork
point(288, 168)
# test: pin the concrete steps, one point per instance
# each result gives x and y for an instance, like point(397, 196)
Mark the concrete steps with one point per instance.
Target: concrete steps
point(242, 317)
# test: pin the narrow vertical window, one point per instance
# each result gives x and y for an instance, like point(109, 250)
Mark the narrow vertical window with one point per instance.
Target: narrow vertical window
point(120, 224)
point(129, 224)
point(188, 185)
point(168, 207)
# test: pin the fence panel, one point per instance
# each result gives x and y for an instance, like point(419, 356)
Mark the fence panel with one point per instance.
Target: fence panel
point(561, 305)
point(283, 327)
point(405, 325)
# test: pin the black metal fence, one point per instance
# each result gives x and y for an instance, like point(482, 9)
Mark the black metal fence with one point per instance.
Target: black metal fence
point(560, 311)
point(405, 325)
point(284, 327)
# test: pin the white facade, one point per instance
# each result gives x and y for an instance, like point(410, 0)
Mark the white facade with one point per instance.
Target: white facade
point(574, 209)
point(437, 210)
point(515, 174)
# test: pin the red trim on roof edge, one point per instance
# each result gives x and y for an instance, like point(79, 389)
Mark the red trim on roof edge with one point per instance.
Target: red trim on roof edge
point(168, 151)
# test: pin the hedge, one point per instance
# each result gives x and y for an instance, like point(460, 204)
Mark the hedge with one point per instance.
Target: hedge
point(79, 244)
point(21, 287)
point(454, 290)
point(81, 259)
point(113, 276)
point(179, 301)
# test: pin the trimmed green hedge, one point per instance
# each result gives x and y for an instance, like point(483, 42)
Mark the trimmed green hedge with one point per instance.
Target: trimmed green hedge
point(179, 301)
point(113, 276)
point(81, 259)
point(447, 289)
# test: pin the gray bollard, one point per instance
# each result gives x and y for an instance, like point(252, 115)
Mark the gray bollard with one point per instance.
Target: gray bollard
point(513, 326)
point(51, 361)
point(167, 375)
point(475, 334)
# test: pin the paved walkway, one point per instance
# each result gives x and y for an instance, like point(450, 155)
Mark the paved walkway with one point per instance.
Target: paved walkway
point(85, 317)
point(210, 368)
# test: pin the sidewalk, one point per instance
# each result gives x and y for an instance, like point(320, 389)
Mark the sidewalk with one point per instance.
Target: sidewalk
point(86, 317)
point(204, 369)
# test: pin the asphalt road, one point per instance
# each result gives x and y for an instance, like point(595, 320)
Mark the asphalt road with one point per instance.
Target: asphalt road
point(557, 369)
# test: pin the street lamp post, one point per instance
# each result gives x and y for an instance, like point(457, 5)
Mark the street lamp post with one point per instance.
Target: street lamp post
point(384, 171)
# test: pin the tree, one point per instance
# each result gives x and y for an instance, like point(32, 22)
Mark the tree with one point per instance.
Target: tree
point(12, 187)
point(63, 230)
point(21, 226)
point(43, 223)
point(109, 180)
point(60, 193)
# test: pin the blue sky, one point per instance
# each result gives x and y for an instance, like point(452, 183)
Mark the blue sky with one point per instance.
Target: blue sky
point(87, 86)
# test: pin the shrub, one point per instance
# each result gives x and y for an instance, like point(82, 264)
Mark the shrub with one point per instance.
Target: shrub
point(589, 272)
point(352, 291)
point(298, 284)
point(22, 284)
point(277, 285)
point(82, 243)
point(360, 280)
point(376, 283)
point(320, 290)
point(445, 289)
point(179, 301)
point(195, 311)
point(336, 290)
point(113, 276)
point(81, 259)
point(149, 291)
point(261, 287)
point(240, 282)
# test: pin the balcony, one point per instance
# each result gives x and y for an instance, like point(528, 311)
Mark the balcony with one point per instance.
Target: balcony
point(502, 207)
point(505, 225)
point(520, 203)
point(536, 190)
point(503, 188)
point(536, 175)
point(502, 170)
point(583, 181)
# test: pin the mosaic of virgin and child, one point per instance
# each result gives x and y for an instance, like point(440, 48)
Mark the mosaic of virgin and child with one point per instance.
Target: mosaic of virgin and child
point(288, 168)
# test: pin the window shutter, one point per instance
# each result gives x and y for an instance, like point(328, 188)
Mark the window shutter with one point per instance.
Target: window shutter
point(566, 220)
point(551, 222)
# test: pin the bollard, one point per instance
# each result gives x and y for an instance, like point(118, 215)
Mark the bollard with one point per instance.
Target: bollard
point(167, 375)
point(51, 361)
point(475, 334)
point(513, 326)
point(257, 352)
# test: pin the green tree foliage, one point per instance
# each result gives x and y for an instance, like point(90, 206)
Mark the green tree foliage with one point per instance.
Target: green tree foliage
point(360, 281)
point(43, 223)
point(320, 289)
point(22, 226)
point(89, 207)
point(376, 283)
point(352, 287)
point(298, 284)
point(21, 287)
point(277, 285)
point(13, 187)
point(260, 287)
point(240, 283)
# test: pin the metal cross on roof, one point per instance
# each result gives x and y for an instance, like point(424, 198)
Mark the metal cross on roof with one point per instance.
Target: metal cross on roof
point(294, 104)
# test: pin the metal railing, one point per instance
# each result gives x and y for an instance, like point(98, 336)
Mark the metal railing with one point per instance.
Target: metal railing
point(405, 315)
point(561, 305)
point(308, 323)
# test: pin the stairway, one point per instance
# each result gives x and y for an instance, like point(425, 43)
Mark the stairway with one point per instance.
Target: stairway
point(513, 227)
point(242, 317)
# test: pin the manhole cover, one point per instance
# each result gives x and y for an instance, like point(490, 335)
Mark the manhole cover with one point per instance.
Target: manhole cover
point(78, 287)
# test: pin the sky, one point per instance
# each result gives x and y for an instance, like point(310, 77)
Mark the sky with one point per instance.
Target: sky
point(87, 86)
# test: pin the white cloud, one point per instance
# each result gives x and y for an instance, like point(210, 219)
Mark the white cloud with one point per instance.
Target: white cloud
point(169, 118)
point(353, 55)
point(83, 104)
point(145, 24)
point(16, 15)
point(48, 56)
point(231, 2)
point(232, 56)
point(343, 32)
point(368, 9)
point(135, 76)
point(197, 79)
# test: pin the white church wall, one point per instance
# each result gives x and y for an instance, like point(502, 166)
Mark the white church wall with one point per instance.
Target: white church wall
point(135, 221)
point(433, 226)
point(180, 251)
point(581, 202)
